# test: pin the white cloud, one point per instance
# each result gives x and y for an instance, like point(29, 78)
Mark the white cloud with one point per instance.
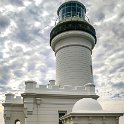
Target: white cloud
point(4, 22)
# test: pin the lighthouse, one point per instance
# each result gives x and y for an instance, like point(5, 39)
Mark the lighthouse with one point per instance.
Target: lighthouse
point(73, 40)
point(71, 98)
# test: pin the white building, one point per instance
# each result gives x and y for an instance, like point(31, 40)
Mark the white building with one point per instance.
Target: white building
point(72, 40)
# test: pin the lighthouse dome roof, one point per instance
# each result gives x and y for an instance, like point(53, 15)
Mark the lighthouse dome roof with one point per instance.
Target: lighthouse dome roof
point(86, 105)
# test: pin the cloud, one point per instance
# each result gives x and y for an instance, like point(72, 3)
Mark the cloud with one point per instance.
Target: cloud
point(119, 85)
point(13, 2)
point(4, 22)
point(108, 53)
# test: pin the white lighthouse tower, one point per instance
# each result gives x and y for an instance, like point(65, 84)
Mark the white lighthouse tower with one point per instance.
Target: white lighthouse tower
point(72, 40)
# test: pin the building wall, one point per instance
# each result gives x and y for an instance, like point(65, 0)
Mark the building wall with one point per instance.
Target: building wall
point(13, 113)
point(104, 119)
point(47, 111)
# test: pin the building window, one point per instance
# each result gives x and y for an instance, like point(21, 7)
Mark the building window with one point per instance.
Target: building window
point(61, 113)
point(17, 122)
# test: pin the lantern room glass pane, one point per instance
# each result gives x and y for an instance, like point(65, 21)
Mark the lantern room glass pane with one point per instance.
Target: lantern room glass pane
point(68, 5)
point(73, 4)
point(79, 11)
point(63, 11)
point(68, 9)
point(74, 9)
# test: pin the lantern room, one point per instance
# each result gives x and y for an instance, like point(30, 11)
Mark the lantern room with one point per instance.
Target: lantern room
point(71, 9)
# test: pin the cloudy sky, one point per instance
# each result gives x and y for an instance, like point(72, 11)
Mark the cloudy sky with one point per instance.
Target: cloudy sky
point(25, 53)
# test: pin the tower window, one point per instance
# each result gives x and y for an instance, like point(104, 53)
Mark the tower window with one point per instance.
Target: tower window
point(61, 113)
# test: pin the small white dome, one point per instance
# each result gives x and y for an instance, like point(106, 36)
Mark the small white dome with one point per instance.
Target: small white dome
point(86, 105)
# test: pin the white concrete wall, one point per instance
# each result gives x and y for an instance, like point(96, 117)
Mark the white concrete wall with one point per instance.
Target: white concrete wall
point(47, 111)
point(92, 119)
point(88, 89)
point(13, 109)
point(13, 113)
